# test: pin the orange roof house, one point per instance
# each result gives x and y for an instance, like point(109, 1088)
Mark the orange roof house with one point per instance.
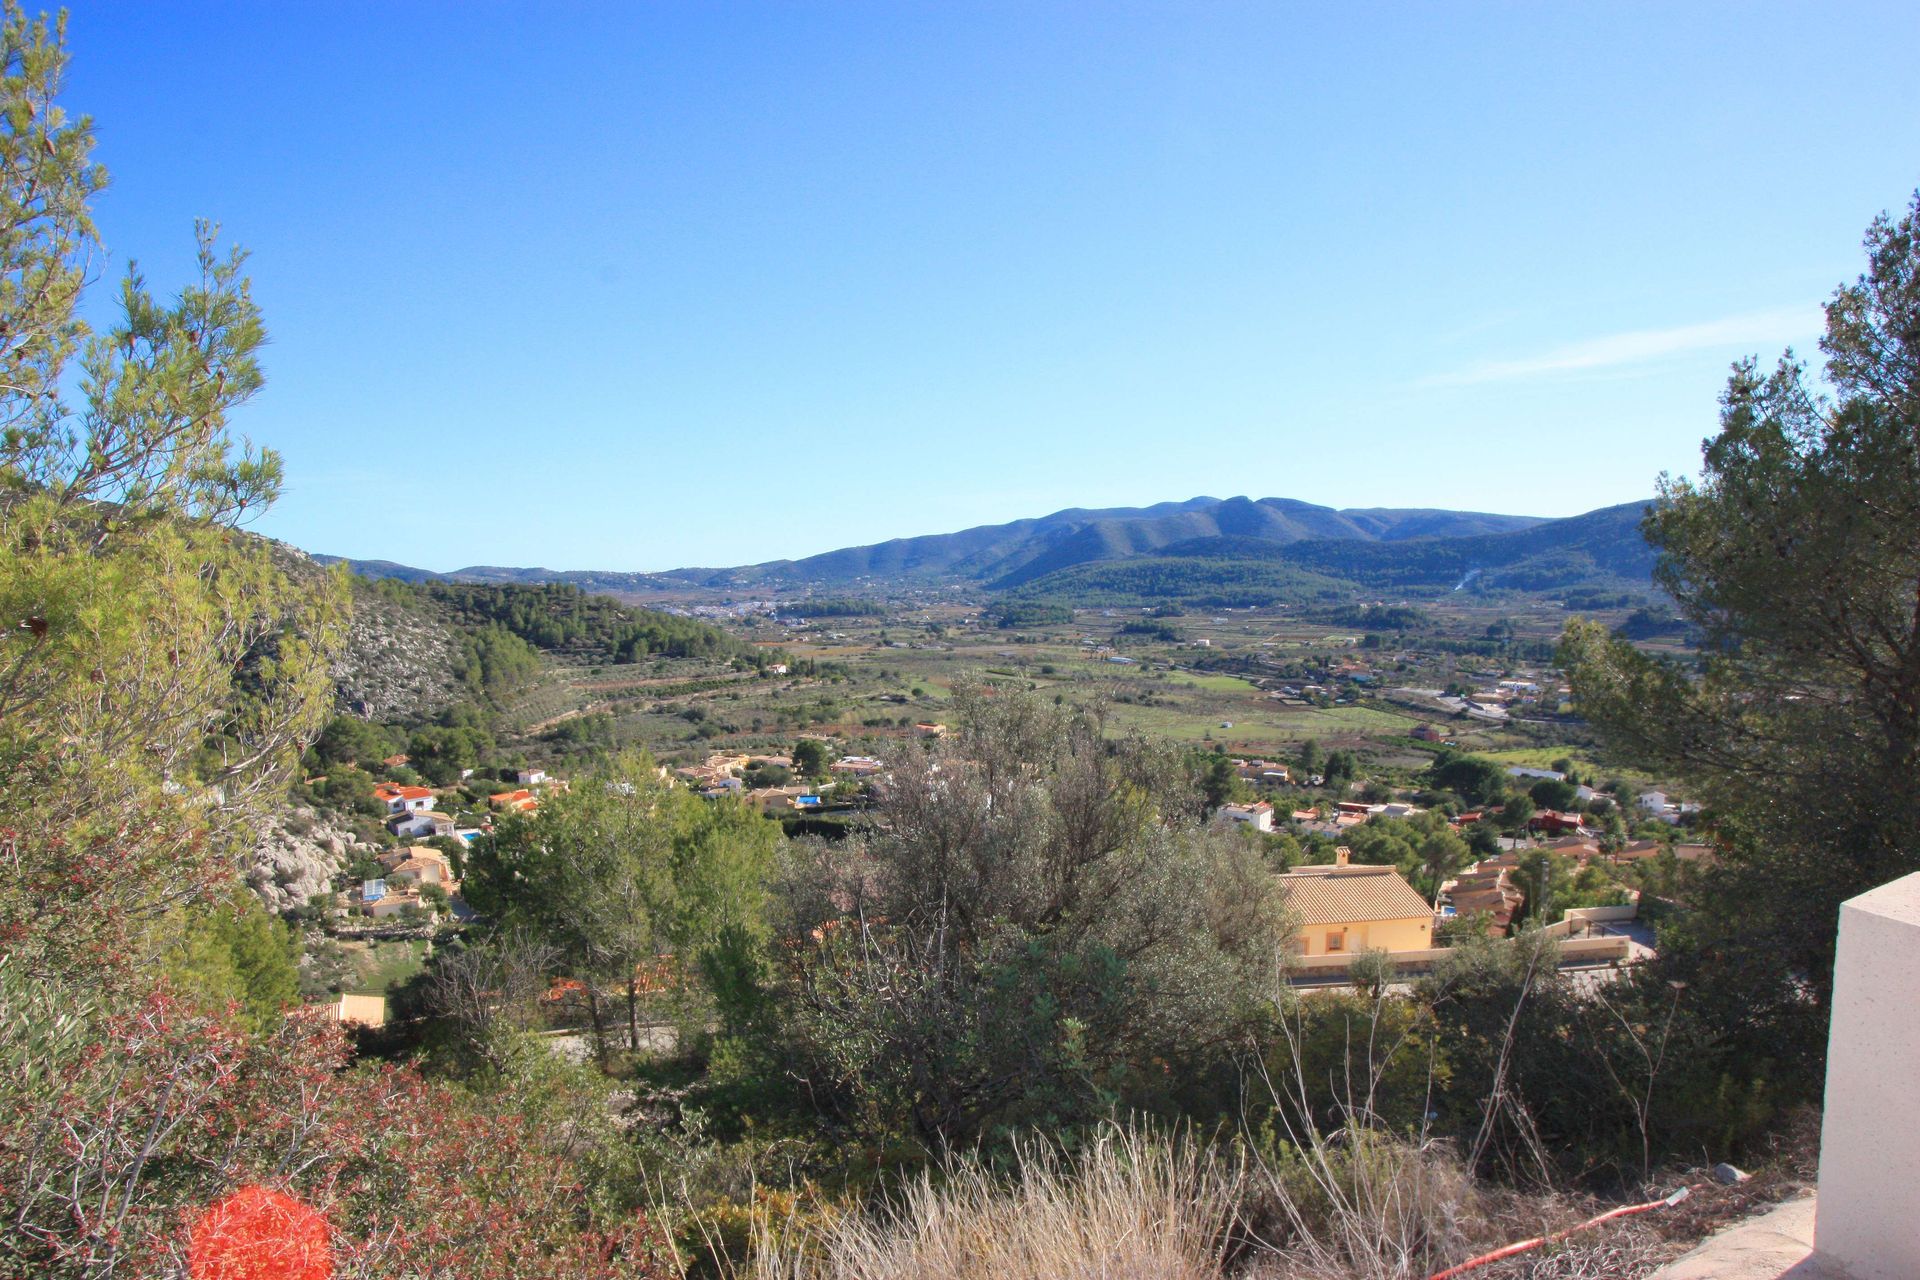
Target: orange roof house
point(1486, 888)
point(398, 799)
point(418, 864)
point(1347, 907)
point(520, 801)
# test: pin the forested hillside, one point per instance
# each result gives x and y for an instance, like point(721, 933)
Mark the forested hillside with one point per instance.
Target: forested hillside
point(1209, 582)
point(1600, 550)
point(1007, 555)
point(1205, 551)
point(562, 617)
point(1580, 550)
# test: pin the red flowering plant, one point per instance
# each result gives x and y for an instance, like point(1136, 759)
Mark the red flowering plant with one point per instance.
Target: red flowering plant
point(160, 674)
point(258, 1233)
point(167, 1142)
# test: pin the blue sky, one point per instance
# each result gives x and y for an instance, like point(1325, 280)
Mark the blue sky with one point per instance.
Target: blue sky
point(644, 285)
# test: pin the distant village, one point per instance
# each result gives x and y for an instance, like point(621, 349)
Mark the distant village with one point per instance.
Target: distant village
point(1342, 908)
point(418, 882)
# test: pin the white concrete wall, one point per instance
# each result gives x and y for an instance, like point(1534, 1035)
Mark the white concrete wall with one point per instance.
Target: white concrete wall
point(1597, 915)
point(1869, 1210)
point(1579, 921)
point(1572, 951)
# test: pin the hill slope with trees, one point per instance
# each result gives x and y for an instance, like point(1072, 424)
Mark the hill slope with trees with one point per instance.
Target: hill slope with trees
point(1602, 548)
point(1367, 547)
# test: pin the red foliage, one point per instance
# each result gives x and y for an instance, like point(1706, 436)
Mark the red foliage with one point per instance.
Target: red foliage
point(162, 1112)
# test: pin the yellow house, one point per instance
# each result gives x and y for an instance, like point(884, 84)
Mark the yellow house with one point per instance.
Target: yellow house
point(1343, 908)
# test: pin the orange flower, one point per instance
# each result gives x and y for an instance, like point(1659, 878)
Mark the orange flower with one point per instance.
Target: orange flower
point(260, 1234)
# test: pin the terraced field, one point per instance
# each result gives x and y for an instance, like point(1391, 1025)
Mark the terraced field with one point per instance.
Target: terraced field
point(877, 676)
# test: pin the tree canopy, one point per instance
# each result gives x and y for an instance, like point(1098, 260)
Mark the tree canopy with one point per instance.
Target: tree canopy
point(1796, 558)
point(624, 871)
point(1040, 919)
point(159, 670)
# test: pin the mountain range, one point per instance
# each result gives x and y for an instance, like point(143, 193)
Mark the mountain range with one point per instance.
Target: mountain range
point(1069, 551)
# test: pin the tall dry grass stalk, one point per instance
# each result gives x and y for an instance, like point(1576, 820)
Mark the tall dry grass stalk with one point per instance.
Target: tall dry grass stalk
point(1134, 1205)
point(1373, 1207)
point(1140, 1206)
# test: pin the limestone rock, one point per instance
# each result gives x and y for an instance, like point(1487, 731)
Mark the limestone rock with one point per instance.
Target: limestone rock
point(398, 662)
point(296, 855)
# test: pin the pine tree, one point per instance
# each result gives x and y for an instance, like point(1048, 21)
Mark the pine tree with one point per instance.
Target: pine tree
point(1796, 556)
point(159, 670)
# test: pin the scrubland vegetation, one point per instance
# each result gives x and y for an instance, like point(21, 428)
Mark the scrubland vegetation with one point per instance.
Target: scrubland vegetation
point(1023, 1009)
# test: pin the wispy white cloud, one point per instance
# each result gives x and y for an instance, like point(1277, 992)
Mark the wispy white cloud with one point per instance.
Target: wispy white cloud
point(1755, 330)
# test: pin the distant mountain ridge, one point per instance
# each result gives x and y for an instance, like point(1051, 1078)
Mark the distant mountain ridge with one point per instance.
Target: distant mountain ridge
point(592, 581)
point(1602, 551)
point(1008, 555)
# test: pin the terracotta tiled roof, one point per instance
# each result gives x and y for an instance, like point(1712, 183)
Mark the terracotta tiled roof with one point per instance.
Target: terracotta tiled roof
point(1344, 895)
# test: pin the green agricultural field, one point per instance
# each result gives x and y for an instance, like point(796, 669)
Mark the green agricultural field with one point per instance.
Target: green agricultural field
point(1540, 757)
point(878, 675)
point(1259, 725)
point(1215, 684)
point(1357, 719)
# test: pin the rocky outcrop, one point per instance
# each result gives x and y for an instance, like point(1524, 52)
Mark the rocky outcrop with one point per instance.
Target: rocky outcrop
point(399, 660)
point(297, 855)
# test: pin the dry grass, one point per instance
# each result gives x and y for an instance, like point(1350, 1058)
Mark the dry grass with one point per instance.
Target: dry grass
point(1136, 1206)
point(1132, 1205)
point(1627, 1253)
point(1369, 1208)
point(1357, 1203)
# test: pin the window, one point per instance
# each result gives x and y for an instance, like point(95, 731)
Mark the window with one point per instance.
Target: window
point(1337, 941)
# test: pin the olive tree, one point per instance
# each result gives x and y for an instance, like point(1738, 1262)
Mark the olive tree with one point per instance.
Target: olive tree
point(1033, 925)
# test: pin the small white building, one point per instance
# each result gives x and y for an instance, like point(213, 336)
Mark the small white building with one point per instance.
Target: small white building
point(1259, 814)
point(418, 825)
point(399, 799)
